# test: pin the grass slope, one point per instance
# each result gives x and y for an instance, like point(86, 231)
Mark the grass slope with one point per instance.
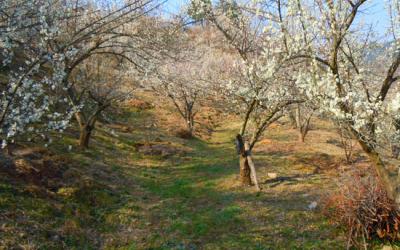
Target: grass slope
point(116, 198)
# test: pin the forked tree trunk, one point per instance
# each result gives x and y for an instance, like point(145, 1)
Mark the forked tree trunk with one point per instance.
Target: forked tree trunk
point(303, 131)
point(247, 171)
point(86, 127)
point(244, 168)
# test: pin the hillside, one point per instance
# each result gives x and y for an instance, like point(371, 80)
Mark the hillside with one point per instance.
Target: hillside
point(139, 187)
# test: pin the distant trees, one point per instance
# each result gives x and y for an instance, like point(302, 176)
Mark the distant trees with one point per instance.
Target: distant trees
point(190, 73)
point(113, 35)
point(303, 115)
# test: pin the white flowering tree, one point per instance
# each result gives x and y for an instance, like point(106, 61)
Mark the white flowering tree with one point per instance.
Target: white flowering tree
point(258, 91)
point(303, 113)
point(29, 67)
point(99, 82)
point(43, 41)
point(189, 74)
point(120, 32)
point(342, 75)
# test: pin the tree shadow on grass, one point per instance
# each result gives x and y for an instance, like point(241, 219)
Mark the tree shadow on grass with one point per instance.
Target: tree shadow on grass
point(288, 180)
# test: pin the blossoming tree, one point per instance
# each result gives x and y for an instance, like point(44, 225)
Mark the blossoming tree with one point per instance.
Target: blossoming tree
point(189, 75)
point(42, 42)
point(340, 75)
point(30, 69)
point(100, 82)
point(258, 91)
point(115, 31)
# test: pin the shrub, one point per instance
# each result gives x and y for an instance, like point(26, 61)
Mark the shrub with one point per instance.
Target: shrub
point(361, 205)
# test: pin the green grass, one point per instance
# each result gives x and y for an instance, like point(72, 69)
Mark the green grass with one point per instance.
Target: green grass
point(116, 198)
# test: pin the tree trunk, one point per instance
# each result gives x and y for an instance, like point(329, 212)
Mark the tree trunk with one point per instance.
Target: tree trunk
point(86, 126)
point(251, 165)
point(189, 118)
point(244, 168)
point(292, 118)
point(390, 182)
point(190, 125)
point(303, 131)
point(303, 123)
point(245, 173)
point(84, 137)
point(302, 136)
point(299, 125)
point(395, 151)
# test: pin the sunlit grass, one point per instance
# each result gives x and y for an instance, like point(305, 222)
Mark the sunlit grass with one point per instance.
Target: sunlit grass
point(117, 198)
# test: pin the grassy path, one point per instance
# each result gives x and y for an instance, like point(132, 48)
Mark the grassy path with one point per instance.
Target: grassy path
point(200, 205)
point(113, 197)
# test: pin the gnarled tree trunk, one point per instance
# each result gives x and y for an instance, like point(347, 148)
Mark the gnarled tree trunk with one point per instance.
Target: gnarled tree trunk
point(245, 176)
